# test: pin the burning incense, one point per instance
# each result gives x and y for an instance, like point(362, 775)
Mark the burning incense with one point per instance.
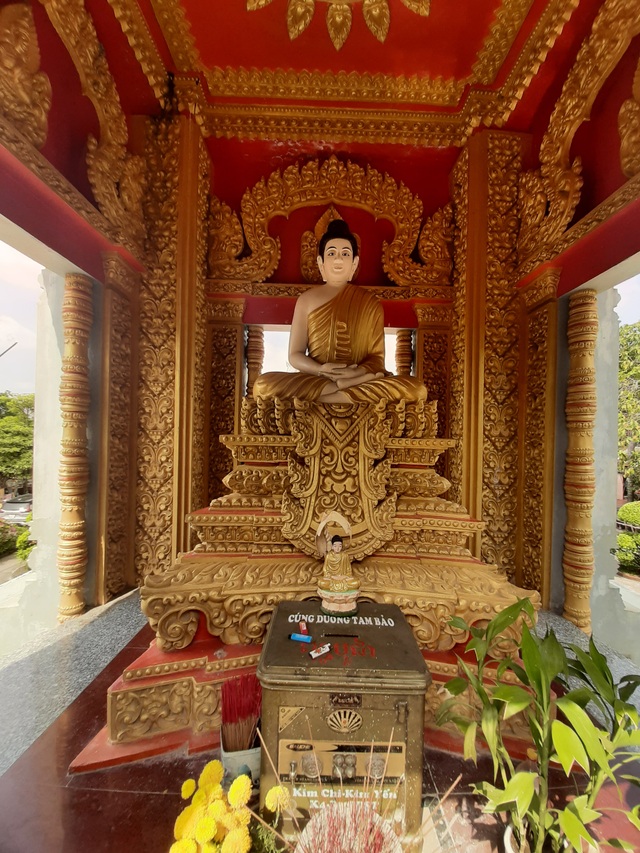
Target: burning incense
point(240, 703)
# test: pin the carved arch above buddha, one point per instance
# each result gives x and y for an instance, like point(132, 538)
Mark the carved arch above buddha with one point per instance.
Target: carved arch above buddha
point(241, 248)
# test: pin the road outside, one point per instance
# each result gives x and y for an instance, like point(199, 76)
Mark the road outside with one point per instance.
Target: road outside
point(11, 567)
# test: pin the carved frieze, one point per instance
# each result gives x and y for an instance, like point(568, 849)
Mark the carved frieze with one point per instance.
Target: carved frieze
point(117, 177)
point(322, 183)
point(25, 91)
point(629, 127)
point(549, 196)
point(225, 388)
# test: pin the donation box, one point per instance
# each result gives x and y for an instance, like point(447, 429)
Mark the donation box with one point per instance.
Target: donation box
point(348, 723)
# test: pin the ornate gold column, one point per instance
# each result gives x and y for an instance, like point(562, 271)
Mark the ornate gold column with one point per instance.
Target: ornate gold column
point(580, 480)
point(226, 384)
point(537, 410)
point(115, 570)
point(255, 355)
point(433, 343)
point(404, 352)
point(77, 317)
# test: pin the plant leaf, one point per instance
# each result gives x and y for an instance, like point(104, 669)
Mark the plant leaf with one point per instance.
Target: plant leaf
point(588, 733)
point(490, 728)
point(469, 749)
point(554, 659)
point(532, 663)
point(515, 699)
point(574, 829)
point(456, 685)
point(569, 747)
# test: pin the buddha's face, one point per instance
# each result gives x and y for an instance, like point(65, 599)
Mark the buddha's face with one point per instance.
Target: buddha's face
point(338, 264)
point(336, 546)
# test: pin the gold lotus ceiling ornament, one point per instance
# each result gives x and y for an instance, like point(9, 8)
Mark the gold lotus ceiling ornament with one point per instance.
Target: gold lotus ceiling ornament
point(339, 16)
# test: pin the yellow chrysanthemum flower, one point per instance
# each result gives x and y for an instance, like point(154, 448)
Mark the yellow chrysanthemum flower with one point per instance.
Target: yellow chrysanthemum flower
point(217, 809)
point(278, 798)
point(239, 792)
point(187, 820)
point(209, 847)
point(213, 792)
point(206, 829)
point(184, 845)
point(212, 774)
point(238, 841)
point(199, 798)
point(188, 788)
point(229, 821)
point(242, 816)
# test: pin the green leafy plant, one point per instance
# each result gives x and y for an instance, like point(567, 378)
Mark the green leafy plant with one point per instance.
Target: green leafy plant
point(8, 537)
point(561, 731)
point(627, 552)
point(630, 513)
point(24, 542)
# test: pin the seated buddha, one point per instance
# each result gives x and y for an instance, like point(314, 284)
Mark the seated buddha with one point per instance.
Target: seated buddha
point(336, 341)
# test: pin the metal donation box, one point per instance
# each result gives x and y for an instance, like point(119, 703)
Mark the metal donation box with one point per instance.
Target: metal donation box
point(348, 722)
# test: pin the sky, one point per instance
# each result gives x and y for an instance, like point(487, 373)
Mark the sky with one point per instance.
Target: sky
point(20, 291)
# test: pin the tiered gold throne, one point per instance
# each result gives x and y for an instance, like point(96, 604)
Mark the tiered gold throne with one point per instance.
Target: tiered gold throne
point(297, 462)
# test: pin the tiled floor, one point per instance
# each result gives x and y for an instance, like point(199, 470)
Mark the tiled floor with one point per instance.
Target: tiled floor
point(131, 809)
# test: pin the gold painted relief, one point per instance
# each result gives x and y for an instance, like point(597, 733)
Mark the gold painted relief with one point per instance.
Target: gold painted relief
point(434, 348)
point(318, 183)
point(629, 128)
point(500, 408)
point(435, 245)
point(75, 401)
point(550, 195)
point(25, 91)
point(141, 42)
point(537, 434)
point(153, 548)
point(117, 178)
point(460, 205)
point(578, 559)
point(117, 463)
point(254, 356)
point(332, 86)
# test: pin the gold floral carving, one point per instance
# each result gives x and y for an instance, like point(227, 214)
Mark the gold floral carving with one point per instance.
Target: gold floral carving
point(116, 522)
point(255, 355)
point(175, 27)
point(550, 195)
point(629, 127)
point(435, 245)
point(75, 398)
point(227, 351)
point(502, 311)
point(332, 86)
point(460, 206)
point(137, 713)
point(117, 178)
point(538, 353)
point(316, 183)
point(509, 17)
point(578, 558)
point(156, 382)
point(141, 42)
point(25, 91)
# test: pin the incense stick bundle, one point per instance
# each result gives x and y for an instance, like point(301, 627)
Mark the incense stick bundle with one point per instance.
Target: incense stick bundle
point(240, 703)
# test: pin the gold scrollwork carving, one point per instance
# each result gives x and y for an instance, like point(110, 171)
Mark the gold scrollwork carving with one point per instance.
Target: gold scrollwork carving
point(75, 394)
point(316, 183)
point(629, 127)
point(558, 183)
point(578, 558)
point(118, 178)
point(434, 245)
point(25, 91)
point(141, 42)
point(227, 341)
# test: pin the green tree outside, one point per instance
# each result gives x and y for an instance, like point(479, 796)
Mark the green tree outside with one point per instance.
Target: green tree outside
point(629, 406)
point(16, 437)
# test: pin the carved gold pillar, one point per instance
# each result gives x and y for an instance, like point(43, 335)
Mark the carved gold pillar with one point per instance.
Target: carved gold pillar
point(433, 346)
point(255, 355)
point(404, 352)
point(579, 480)
point(115, 571)
point(537, 407)
point(77, 317)
point(485, 388)
point(189, 416)
point(226, 384)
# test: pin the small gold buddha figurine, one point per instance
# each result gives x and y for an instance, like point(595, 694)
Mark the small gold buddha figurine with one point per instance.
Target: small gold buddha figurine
point(337, 337)
point(338, 588)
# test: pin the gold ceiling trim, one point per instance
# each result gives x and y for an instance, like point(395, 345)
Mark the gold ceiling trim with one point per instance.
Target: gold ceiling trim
point(329, 86)
point(135, 28)
point(177, 33)
point(509, 17)
point(629, 129)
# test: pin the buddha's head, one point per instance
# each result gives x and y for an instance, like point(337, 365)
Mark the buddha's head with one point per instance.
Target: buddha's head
point(337, 253)
point(336, 544)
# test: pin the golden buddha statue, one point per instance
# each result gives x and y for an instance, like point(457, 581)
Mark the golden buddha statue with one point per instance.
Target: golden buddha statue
point(337, 337)
point(336, 574)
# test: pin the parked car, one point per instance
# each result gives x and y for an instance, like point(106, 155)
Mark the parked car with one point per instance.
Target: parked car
point(15, 510)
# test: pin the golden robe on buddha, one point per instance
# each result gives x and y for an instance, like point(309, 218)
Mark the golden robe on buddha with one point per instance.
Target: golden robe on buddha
point(349, 329)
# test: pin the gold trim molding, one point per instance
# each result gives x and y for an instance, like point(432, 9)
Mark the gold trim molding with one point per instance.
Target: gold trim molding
point(117, 178)
point(549, 196)
point(629, 128)
point(322, 183)
point(25, 92)
point(75, 395)
point(141, 42)
point(578, 559)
